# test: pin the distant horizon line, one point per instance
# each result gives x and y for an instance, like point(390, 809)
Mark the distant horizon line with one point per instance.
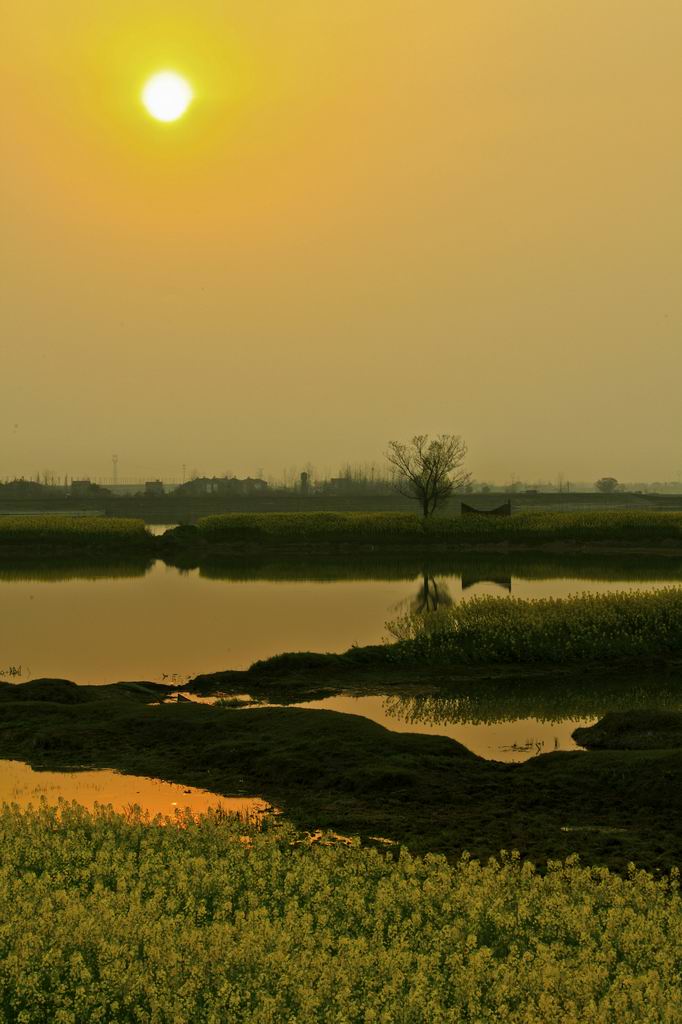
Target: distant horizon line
point(292, 481)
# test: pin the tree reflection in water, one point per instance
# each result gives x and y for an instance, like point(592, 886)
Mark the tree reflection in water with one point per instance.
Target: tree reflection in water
point(573, 697)
point(432, 594)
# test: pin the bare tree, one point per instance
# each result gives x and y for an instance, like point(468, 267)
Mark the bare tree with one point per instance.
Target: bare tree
point(428, 471)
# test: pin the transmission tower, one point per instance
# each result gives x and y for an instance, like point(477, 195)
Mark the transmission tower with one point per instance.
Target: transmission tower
point(114, 463)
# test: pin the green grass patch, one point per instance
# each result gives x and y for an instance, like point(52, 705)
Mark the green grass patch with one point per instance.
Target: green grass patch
point(635, 729)
point(106, 917)
point(582, 628)
point(71, 531)
point(397, 528)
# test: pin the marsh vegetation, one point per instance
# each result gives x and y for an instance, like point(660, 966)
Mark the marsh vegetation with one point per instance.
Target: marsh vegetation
point(346, 773)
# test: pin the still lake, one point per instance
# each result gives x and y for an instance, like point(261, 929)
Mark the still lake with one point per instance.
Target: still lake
point(160, 623)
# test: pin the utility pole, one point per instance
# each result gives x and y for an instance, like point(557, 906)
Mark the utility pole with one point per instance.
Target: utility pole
point(114, 463)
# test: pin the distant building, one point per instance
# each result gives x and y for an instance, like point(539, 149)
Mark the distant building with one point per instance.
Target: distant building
point(80, 487)
point(85, 488)
point(154, 488)
point(205, 485)
point(340, 484)
point(253, 485)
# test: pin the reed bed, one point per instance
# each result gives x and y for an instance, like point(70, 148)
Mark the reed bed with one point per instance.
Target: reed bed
point(581, 628)
point(105, 917)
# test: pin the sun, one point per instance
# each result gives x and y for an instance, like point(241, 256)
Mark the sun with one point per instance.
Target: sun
point(167, 96)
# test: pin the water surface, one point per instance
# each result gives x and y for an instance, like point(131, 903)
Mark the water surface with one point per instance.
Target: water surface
point(514, 740)
point(22, 785)
point(100, 624)
point(103, 624)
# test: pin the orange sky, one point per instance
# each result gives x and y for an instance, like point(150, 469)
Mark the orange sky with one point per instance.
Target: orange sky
point(378, 218)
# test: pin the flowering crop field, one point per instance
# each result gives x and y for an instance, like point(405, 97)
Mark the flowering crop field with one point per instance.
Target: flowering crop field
point(72, 530)
point(111, 918)
point(397, 527)
point(363, 527)
point(582, 526)
point(588, 626)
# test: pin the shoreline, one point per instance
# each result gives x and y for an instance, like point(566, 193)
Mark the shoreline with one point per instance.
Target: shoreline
point(237, 535)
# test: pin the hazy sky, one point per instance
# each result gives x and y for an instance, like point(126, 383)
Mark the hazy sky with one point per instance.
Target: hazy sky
point(379, 217)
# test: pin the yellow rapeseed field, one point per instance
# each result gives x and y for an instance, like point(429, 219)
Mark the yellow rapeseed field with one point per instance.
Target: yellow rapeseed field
point(69, 529)
point(395, 527)
point(584, 627)
point(110, 918)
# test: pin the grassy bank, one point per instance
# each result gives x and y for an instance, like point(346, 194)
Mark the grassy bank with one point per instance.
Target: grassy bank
point(648, 729)
point(396, 528)
point(506, 642)
point(42, 534)
point(347, 773)
point(434, 694)
point(582, 628)
point(235, 533)
point(106, 918)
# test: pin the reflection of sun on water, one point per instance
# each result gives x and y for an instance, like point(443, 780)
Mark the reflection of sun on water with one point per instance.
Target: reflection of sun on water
point(22, 785)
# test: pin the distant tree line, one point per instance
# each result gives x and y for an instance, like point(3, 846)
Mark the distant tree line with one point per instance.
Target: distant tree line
point(368, 478)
